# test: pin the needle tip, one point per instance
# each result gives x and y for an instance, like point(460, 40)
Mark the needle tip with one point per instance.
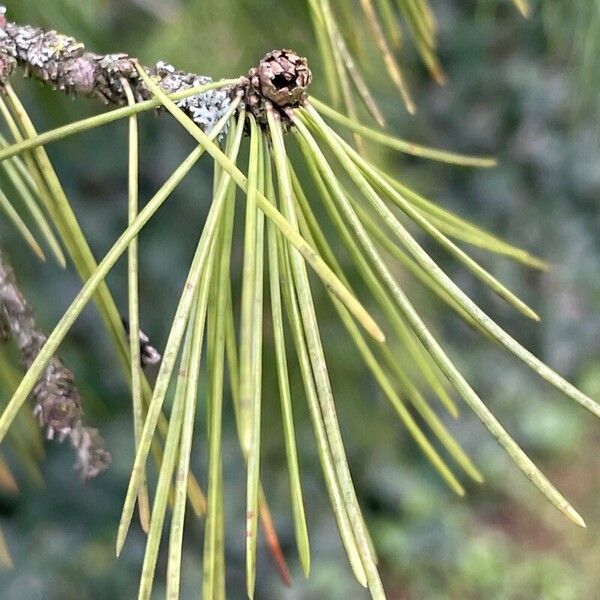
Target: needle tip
point(478, 477)
point(453, 410)
point(575, 517)
point(119, 545)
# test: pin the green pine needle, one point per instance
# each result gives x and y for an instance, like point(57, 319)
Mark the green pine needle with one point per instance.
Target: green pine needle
point(165, 476)
point(417, 399)
point(399, 144)
point(319, 368)
point(212, 225)
point(57, 205)
point(77, 127)
point(134, 309)
point(213, 562)
point(15, 218)
point(197, 325)
point(315, 261)
point(275, 283)
point(429, 342)
point(412, 345)
point(388, 389)
point(25, 187)
point(251, 345)
point(325, 454)
point(280, 221)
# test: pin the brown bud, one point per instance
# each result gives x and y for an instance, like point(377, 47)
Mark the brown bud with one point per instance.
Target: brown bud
point(281, 77)
point(280, 80)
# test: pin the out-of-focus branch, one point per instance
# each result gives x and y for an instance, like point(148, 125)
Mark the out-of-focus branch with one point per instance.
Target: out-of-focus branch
point(62, 63)
point(58, 402)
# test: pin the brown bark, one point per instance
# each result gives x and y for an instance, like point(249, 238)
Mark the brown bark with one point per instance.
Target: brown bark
point(280, 80)
point(63, 63)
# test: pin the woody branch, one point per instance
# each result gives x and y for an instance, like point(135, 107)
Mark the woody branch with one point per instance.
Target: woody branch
point(57, 399)
point(62, 63)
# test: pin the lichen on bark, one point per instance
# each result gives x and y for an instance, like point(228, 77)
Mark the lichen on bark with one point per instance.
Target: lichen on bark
point(60, 61)
point(63, 63)
point(57, 399)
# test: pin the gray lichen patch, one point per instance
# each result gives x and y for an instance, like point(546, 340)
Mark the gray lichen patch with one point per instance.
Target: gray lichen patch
point(63, 63)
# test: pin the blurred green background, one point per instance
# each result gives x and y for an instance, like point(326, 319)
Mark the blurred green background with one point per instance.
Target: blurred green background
point(525, 91)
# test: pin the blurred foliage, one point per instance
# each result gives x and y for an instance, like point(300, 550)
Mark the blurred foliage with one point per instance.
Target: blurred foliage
point(579, 44)
point(510, 92)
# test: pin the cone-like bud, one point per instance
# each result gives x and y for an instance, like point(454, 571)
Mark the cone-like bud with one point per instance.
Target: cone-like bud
point(281, 79)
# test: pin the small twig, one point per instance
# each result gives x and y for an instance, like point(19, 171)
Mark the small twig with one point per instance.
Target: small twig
point(58, 402)
point(62, 63)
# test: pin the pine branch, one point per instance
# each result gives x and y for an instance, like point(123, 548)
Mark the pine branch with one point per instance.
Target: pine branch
point(62, 63)
point(58, 402)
